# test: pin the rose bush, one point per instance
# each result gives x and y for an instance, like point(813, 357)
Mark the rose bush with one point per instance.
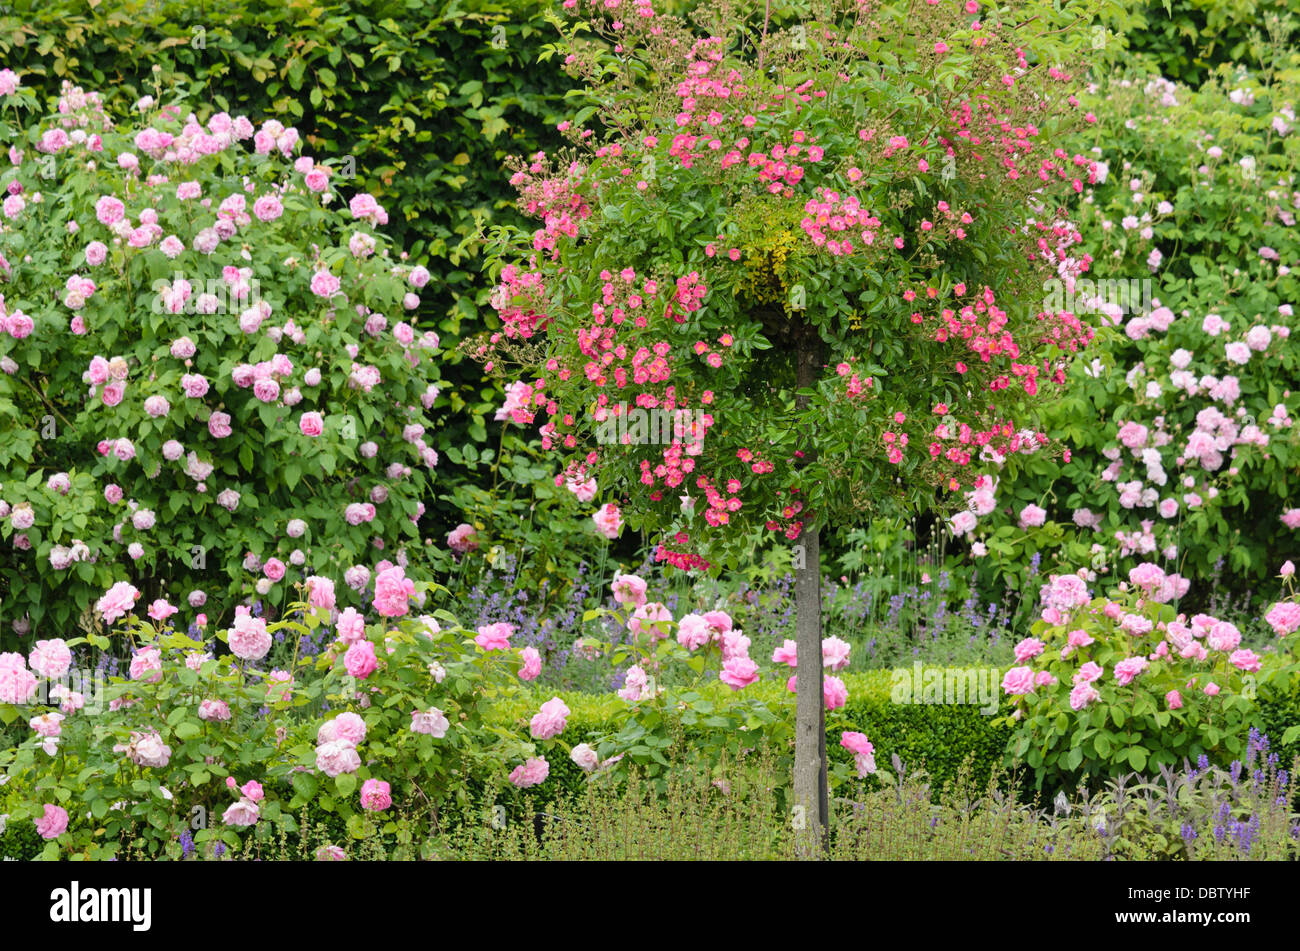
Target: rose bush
point(398, 709)
point(1182, 423)
point(1121, 682)
point(206, 367)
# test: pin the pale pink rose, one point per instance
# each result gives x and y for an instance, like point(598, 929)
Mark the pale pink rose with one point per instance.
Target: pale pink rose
point(53, 823)
point(652, 619)
point(532, 664)
point(461, 538)
point(550, 720)
point(351, 626)
point(50, 658)
point(786, 653)
point(214, 710)
point(1174, 700)
point(635, 685)
point(1129, 668)
point(431, 722)
point(248, 638)
point(629, 589)
point(118, 602)
point(17, 683)
point(835, 653)
point(1283, 618)
point(324, 284)
point(346, 726)
point(1088, 673)
point(532, 772)
point(1031, 516)
point(245, 812)
point(1246, 660)
point(337, 757)
point(219, 425)
point(146, 665)
point(693, 631)
point(1223, 637)
point(1028, 649)
point(160, 610)
point(862, 749)
point(585, 757)
point(320, 592)
point(1211, 689)
point(608, 520)
point(1082, 695)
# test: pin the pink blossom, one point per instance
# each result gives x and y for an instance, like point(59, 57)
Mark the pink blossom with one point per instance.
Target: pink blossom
point(739, 672)
point(432, 722)
point(360, 659)
point(375, 795)
point(53, 822)
point(495, 636)
point(550, 720)
point(50, 658)
point(1018, 681)
point(118, 602)
point(393, 591)
point(533, 771)
point(336, 757)
point(834, 693)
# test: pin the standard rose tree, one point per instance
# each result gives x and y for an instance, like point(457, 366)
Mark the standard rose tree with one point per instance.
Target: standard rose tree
point(206, 367)
point(796, 263)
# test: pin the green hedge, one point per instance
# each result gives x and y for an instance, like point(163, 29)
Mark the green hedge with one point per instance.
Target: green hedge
point(1187, 41)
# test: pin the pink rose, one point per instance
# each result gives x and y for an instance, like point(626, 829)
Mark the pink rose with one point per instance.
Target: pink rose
point(375, 795)
point(337, 757)
point(53, 823)
point(311, 424)
point(550, 720)
point(431, 722)
point(50, 658)
point(532, 664)
point(393, 591)
point(629, 589)
point(351, 626)
point(248, 638)
point(118, 602)
point(693, 632)
point(219, 425)
point(834, 693)
point(1018, 680)
point(245, 812)
point(214, 710)
point(533, 771)
point(360, 659)
point(495, 636)
point(739, 672)
point(320, 592)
